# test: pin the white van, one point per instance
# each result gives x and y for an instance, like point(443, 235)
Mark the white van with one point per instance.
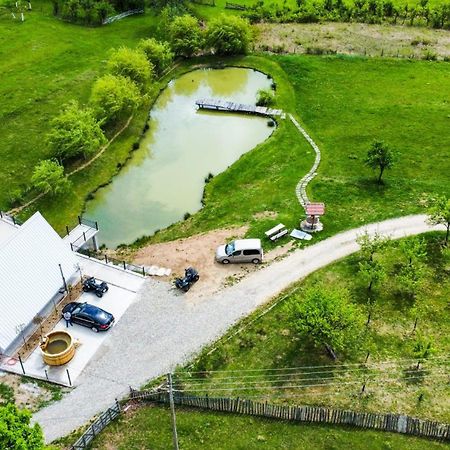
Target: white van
point(240, 251)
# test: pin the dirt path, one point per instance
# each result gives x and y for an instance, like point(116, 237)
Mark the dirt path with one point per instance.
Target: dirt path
point(198, 251)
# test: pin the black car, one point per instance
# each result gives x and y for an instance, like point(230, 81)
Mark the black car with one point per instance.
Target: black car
point(91, 285)
point(89, 316)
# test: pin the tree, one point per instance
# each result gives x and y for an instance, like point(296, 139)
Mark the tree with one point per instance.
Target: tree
point(229, 35)
point(185, 35)
point(439, 214)
point(114, 97)
point(414, 249)
point(422, 349)
point(74, 132)
point(48, 176)
point(16, 433)
point(369, 245)
point(380, 157)
point(326, 317)
point(413, 272)
point(158, 54)
point(133, 64)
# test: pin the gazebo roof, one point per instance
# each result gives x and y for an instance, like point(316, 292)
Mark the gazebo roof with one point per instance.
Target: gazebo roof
point(315, 209)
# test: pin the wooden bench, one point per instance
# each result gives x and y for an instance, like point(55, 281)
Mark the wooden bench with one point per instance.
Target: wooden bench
point(276, 232)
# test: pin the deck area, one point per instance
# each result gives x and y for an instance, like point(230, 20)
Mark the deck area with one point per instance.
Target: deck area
point(226, 106)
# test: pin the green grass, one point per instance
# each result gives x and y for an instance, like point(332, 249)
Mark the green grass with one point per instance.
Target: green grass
point(348, 102)
point(44, 63)
point(269, 342)
point(345, 103)
point(150, 427)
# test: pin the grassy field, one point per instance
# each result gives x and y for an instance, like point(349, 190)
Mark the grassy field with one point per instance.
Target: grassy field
point(345, 103)
point(150, 427)
point(45, 62)
point(270, 343)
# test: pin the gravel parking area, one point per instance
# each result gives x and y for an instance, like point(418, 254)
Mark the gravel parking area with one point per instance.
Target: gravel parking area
point(162, 328)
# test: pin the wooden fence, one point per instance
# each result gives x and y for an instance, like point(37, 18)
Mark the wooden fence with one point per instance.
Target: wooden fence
point(229, 5)
point(397, 423)
point(96, 427)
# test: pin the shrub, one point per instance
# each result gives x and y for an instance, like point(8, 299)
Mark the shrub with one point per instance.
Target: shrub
point(114, 97)
point(265, 98)
point(229, 35)
point(158, 54)
point(132, 64)
point(185, 36)
point(48, 176)
point(74, 132)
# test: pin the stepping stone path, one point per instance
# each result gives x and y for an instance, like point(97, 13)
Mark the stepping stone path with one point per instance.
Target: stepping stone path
point(300, 189)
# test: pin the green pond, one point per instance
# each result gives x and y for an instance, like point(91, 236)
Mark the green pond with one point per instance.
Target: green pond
point(165, 177)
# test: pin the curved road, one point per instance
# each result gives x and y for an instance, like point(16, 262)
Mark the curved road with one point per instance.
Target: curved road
point(161, 329)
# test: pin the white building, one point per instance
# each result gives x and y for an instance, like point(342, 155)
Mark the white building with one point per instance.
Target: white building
point(35, 263)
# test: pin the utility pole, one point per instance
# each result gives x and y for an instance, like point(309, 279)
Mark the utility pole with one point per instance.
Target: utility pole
point(172, 410)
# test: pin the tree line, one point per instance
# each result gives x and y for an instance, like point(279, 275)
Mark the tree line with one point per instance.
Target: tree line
point(363, 11)
point(79, 131)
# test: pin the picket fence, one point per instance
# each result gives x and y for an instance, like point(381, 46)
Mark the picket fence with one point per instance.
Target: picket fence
point(397, 423)
point(97, 426)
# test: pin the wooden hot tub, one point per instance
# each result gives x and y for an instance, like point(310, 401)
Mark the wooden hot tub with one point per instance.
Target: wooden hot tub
point(57, 348)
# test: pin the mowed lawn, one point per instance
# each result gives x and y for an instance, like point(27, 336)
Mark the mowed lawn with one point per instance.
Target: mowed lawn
point(348, 102)
point(44, 63)
point(150, 427)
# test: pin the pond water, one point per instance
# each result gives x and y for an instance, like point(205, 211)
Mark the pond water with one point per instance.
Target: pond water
point(164, 179)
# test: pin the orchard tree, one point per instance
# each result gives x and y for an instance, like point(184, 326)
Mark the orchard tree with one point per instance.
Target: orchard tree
point(133, 64)
point(186, 37)
point(414, 250)
point(16, 433)
point(327, 318)
point(371, 244)
point(48, 177)
point(439, 214)
point(75, 132)
point(114, 97)
point(158, 54)
point(229, 35)
point(380, 157)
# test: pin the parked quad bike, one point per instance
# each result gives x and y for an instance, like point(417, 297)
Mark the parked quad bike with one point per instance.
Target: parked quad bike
point(190, 277)
point(90, 285)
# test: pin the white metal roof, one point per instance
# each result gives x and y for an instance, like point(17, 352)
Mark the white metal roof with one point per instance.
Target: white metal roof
point(29, 274)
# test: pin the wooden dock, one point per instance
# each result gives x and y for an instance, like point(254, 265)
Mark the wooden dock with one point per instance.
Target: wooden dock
point(223, 105)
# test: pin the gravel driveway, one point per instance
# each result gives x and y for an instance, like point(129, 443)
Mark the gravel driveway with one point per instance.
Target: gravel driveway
point(161, 329)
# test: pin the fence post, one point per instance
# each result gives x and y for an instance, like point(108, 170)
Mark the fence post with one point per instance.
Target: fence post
point(124, 265)
point(172, 410)
point(21, 364)
point(143, 271)
point(79, 220)
point(68, 376)
point(106, 259)
point(67, 230)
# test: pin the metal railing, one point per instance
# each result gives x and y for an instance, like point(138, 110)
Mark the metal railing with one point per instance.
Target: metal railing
point(9, 218)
